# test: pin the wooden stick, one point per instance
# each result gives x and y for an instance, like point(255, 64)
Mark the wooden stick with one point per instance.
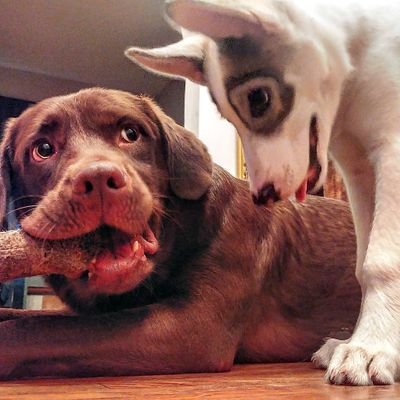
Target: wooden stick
point(22, 256)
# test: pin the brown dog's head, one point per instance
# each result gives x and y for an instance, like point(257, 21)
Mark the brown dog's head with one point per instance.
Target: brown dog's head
point(100, 160)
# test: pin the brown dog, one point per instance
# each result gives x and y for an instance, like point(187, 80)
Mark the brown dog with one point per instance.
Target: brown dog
point(194, 276)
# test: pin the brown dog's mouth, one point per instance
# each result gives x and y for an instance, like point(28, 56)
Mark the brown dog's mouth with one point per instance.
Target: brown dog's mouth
point(121, 247)
point(314, 168)
point(123, 261)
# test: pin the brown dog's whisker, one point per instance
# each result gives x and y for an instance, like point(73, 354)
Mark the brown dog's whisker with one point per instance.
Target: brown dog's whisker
point(29, 208)
point(48, 227)
point(25, 197)
point(26, 210)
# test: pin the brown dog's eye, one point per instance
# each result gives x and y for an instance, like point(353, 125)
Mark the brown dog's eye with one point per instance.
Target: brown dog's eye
point(42, 151)
point(129, 134)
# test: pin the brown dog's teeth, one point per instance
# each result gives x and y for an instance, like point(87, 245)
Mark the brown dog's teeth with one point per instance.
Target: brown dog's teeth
point(135, 246)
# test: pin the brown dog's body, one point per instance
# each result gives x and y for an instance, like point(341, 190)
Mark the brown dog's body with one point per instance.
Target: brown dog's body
point(195, 276)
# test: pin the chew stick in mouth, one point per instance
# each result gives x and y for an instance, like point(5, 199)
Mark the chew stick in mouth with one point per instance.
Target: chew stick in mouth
point(22, 255)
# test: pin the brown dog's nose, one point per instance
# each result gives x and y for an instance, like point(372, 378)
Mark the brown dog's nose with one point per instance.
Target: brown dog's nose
point(266, 195)
point(99, 178)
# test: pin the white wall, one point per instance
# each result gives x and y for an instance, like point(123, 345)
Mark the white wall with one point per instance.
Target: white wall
point(32, 86)
point(203, 118)
point(172, 99)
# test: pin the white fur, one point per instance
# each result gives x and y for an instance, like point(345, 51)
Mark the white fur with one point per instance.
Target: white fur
point(345, 67)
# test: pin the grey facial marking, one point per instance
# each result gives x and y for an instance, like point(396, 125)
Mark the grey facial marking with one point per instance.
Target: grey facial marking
point(247, 58)
point(284, 94)
point(238, 47)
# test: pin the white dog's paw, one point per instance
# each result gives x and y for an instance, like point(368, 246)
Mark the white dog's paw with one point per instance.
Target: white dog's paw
point(356, 365)
point(322, 357)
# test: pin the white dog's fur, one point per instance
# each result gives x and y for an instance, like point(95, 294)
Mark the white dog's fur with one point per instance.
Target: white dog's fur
point(341, 59)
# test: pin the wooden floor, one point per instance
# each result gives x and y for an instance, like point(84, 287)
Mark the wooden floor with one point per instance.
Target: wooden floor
point(274, 381)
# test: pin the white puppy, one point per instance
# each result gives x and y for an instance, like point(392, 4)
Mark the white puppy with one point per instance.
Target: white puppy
point(299, 79)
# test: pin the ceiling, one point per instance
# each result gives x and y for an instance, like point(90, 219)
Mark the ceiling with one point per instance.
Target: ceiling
point(50, 47)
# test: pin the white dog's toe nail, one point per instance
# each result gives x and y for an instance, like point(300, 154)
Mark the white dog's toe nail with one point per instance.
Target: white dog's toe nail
point(349, 366)
point(322, 357)
point(318, 362)
point(355, 365)
point(382, 369)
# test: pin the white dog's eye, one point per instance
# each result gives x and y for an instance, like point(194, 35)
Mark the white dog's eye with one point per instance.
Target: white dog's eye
point(130, 134)
point(259, 101)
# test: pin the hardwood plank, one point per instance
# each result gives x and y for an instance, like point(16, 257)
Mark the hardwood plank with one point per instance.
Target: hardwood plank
point(273, 381)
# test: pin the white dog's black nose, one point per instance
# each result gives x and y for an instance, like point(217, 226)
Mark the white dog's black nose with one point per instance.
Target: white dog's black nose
point(266, 195)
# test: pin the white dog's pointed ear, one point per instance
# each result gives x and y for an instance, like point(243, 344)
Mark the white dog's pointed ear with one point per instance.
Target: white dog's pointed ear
point(182, 59)
point(219, 20)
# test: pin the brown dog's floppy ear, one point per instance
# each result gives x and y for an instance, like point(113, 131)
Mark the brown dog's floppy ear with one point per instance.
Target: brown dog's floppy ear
point(189, 163)
point(5, 172)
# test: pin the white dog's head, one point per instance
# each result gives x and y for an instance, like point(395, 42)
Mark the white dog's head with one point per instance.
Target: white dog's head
point(274, 71)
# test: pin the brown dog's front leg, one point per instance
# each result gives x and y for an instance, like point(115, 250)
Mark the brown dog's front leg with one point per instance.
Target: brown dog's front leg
point(155, 339)
point(7, 314)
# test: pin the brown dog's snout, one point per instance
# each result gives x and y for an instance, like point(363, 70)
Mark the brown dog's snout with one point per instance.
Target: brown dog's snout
point(100, 178)
point(266, 195)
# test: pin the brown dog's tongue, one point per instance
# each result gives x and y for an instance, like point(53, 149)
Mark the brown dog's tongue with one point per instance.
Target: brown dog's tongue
point(301, 192)
point(126, 254)
point(124, 265)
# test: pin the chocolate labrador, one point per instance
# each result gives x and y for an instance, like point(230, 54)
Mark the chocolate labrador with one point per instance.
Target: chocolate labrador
point(194, 276)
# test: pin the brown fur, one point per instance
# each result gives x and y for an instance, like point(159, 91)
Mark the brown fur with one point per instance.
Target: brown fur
point(230, 281)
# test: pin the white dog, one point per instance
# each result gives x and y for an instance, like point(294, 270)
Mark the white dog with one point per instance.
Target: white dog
point(299, 78)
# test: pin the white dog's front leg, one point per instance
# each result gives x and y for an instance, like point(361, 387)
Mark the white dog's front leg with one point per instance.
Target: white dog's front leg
point(372, 355)
point(360, 189)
